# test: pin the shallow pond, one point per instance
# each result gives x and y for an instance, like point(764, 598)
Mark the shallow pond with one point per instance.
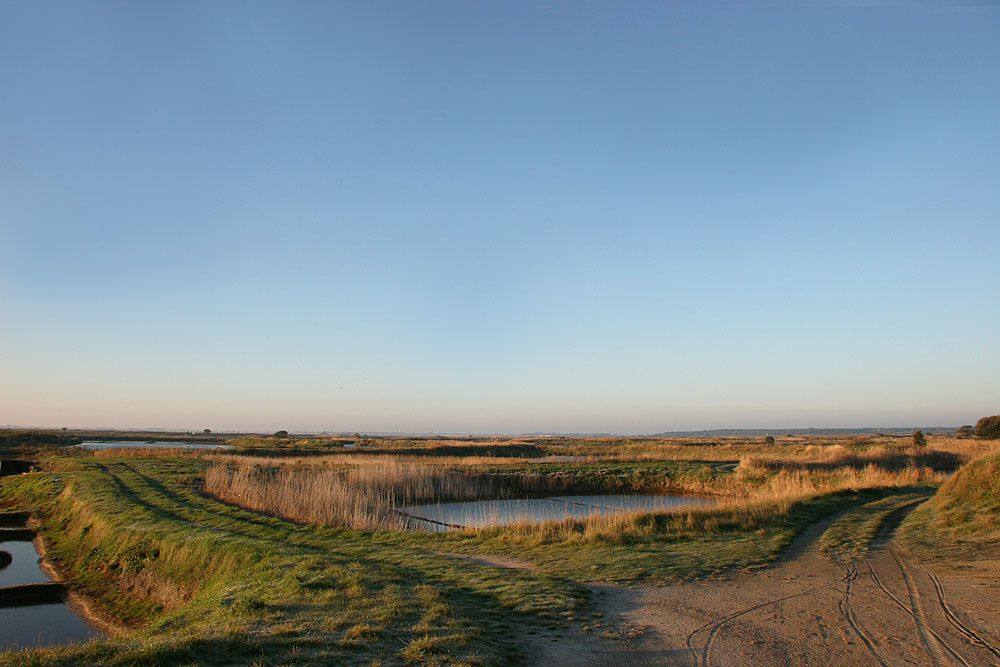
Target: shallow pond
point(482, 513)
point(45, 624)
point(137, 444)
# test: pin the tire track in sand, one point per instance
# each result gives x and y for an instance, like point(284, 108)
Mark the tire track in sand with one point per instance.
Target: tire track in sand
point(917, 611)
point(907, 610)
point(965, 630)
point(847, 611)
point(719, 623)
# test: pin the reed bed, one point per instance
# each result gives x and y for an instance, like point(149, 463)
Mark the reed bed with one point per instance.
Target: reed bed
point(369, 496)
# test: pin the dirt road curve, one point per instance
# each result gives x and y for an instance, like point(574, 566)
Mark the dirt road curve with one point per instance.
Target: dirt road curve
point(886, 609)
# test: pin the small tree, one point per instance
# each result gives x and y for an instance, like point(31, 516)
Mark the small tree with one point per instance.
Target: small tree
point(966, 431)
point(281, 434)
point(919, 441)
point(988, 428)
point(769, 440)
point(207, 430)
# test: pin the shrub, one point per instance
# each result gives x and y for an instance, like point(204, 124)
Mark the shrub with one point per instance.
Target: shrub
point(919, 441)
point(988, 428)
point(769, 440)
point(281, 434)
point(966, 431)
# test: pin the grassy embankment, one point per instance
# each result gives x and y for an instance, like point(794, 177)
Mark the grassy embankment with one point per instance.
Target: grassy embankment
point(218, 584)
point(962, 520)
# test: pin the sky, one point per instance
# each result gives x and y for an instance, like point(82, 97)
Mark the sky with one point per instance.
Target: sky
point(499, 217)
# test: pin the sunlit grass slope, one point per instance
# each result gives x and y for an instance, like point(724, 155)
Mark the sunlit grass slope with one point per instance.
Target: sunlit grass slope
point(963, 518)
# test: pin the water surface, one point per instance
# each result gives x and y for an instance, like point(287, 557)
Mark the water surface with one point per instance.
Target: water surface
point(137, 444)
point(42, 625)
point(482, 513)
point(25, 568)
point(46, 624)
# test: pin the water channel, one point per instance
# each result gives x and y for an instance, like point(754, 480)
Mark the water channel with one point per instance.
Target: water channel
point(24, 624)
point(138, 444)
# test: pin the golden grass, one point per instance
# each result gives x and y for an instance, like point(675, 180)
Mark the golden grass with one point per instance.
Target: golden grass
point(344, 461)
point(964, 516)
point(366, 495)
point(812, 449)
point(369, 492)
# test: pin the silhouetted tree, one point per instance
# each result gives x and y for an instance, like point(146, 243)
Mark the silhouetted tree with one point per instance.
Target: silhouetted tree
point(988, 428)
point(281, 434)
point(967, 431)
point(207, 430)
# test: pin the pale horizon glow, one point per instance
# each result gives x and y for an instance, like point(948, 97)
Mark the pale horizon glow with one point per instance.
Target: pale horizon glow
point(498, 218)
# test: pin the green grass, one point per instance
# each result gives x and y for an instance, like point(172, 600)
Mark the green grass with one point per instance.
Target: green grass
point(962, 520)
point(220, 585)
point(663, 548)
point(852, 534)
point(204, 582)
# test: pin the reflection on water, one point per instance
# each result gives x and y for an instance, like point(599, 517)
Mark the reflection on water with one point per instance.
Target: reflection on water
point(24, 569)
point(40, 624)
point(136, 444)
point(481, 513)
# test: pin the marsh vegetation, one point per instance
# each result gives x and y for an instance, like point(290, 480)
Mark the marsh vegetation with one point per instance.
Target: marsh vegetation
point(224, 558)
point(375, 492)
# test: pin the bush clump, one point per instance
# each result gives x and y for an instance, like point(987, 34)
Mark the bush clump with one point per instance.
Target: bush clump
point(988, 428)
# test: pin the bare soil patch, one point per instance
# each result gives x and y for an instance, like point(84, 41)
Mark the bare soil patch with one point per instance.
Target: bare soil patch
point(886, 608)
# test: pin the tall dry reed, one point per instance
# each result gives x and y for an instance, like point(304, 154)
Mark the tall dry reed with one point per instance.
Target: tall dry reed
point(361, 496)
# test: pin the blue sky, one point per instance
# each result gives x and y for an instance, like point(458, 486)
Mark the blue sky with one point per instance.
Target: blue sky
point(498, 217)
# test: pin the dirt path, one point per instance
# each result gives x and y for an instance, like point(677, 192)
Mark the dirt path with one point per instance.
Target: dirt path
point(886, 609)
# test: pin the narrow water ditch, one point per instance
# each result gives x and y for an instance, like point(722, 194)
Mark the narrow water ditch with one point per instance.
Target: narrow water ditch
point(34, 609)
point(92, 445)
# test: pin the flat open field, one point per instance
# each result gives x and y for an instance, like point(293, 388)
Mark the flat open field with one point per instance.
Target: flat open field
point(287, 550)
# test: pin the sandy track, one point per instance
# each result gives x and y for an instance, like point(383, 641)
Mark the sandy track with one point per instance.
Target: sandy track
point(887, 609)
